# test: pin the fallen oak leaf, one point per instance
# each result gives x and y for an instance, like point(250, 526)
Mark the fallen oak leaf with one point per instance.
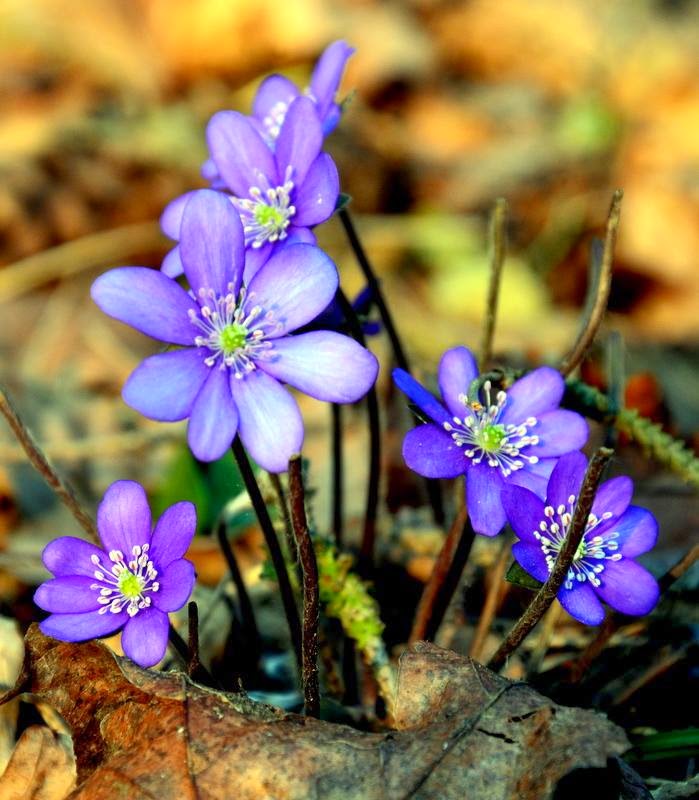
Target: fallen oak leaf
point(41, 768)
point(463, 731)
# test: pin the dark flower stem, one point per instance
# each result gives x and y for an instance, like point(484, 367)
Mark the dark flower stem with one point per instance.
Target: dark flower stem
point(366, 552)
point(276, 482)
point(311, 597)
point(193, 662)
point(498, 246)
point(547, 594)
point(249, 625)
point(201, 674)
point(433, 488)
point(275, 551)
point(600, 288)
point(337, 487)
point(38, 460)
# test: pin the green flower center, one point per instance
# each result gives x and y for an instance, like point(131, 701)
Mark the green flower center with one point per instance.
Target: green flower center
point(233, 337)
point(129, 585)
point(491, 437)
point(269, 216)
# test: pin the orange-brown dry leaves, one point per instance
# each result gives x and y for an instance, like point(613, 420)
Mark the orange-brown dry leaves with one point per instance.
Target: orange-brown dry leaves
point(462, 731)
point(41, 768)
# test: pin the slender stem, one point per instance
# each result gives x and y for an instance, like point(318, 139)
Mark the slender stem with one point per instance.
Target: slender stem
point(547, 594)
point(251, 633)
point(430, 593)
point(498, 246)
point(594, 319)
point(281, 502)
point(275, 552)
point(492, 601)
point(337, 498)
point(311, 596)
point(40, 463)
point(201, 674)
point(193, 662)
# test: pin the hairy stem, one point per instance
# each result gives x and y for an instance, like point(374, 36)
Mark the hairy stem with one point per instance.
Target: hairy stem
point(337, 474)
point(498, 246)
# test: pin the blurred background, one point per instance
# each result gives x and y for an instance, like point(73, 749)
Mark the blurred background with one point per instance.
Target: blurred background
point(551, 104)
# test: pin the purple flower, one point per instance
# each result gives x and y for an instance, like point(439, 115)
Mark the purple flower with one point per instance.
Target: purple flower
point(235, 348)
point(603, 568)
point(508, 437)
point(133, 583)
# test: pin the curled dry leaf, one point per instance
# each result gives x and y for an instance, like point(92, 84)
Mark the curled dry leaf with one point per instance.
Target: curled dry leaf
point(462, 732)
point(41, 768)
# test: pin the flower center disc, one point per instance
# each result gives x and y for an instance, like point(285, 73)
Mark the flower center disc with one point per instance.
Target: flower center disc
point(269, 217)
point(490, 438)
point(129, 585)
point(233, 337)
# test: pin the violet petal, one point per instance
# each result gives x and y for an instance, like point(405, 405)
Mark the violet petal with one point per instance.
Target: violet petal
point(173, 533)
point(176, 584)
point(524, 512)
point(417, 393)
point(69, 555)
point(533, 395)
point(566, 479)
point(69, 593)
point(531, 559)
point(79, 627)
point(457, 370)
point(316, 197)
point(581, 603)
point(299, 140)
point(431, 452)
point(123, 518)
point(145, 635)
point(214, 418)
point(484, 486)
point(628, 587)
point(559, 431)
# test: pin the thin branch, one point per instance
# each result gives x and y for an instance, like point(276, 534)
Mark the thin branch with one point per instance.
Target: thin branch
point(193, 663)
point(38, 460)
point(497, 588)
point(498, 246)
point(592, 322)
point(276, 482)
point(201, 675)
point(311, 597)
point(275, 552)
point(547, 594)
point(337, 474)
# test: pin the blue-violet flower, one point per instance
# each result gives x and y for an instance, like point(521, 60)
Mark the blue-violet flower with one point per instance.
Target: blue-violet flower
point(615, 533)
point(132, 582)
point(236, 347)
point(503, 437)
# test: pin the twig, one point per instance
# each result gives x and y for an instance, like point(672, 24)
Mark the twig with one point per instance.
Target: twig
point(498, 246)
point(615, 381)
point(276, 482)
point(497, 588)
point(592, 322)
point(664, 661)
point(193, 662)
point(38, 460)
point(547, 594)
point(275, 552)
point(311, 598)
point(201, 675)
point(337, 484)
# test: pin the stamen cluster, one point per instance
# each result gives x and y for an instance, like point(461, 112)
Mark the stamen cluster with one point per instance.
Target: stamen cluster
point(123, 585)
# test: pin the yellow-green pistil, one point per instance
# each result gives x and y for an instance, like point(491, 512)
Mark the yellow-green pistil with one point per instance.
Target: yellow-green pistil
point(490, 437)
point(233, 337)
point(129, 585)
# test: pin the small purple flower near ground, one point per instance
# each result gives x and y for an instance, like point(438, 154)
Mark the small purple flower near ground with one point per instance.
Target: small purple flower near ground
point(508, 437)
point(235, 345)
point(138, 577)
point(603, 568)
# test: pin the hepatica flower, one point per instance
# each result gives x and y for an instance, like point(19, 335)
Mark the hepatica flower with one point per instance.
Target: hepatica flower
point(603, 567)
point(132, 582)
point(499, 438)
point(235, 348)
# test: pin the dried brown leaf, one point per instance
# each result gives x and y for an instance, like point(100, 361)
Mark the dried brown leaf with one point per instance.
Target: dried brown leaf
point(41, 768)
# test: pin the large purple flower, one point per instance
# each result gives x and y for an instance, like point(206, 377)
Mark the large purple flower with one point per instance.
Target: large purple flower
point(236, 348)
point(511, 436)
point(603, 567)
point(133, 582)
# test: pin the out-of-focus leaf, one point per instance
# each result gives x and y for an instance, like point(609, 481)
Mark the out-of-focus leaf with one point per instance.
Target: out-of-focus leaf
point(516, 575)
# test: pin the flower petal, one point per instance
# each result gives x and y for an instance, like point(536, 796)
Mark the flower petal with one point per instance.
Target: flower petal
point(123, 517)
point(416, 393)
point(176, 584)
point(148, 301)
point(79, 627)
point(430, 451)
point(638, 531)
point(214, 418)
point(239, 152)
point(273, 91)
point(566, 479)
point(173, 533)
point(534, 477)
point(212, 244)
point(299, 140)
point(533, 395)
point(144, 639)
point(524, 512)
point(296, 284)
point(484, 486)
point(171, 218)
point(69, 593)
point(327, 75)
point(531, 559)
point(256, 257)
point(316, 197)
point(165, 385)
point(559, 432)
point(324, 365)
point(581, 603)
point(270, 423)
point(69, 555)
point(613, 496)
point(172, 263)
point(628, 587)
point(457, 370)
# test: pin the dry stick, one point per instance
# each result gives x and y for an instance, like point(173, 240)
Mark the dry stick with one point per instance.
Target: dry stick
point(42, 466)
point(594, 319)
point(311, 597)
point(614, 621)
point(425, 608)
point(275, 552)
point(496, 590)
point(498, 246)
point(276, 482)
point(547, 594)
point(193, 663)
point(337, 487)
point(433, 488)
